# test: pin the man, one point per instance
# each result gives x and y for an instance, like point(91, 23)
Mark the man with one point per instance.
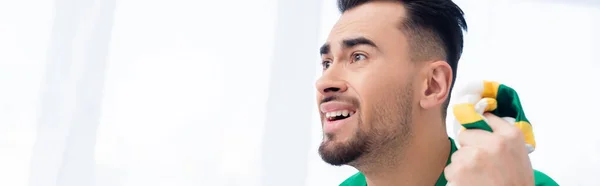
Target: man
point(388, 69)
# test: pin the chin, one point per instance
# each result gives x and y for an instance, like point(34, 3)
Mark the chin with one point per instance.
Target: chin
point(341, 152)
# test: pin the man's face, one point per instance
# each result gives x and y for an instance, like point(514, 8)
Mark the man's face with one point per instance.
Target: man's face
point(365, 94)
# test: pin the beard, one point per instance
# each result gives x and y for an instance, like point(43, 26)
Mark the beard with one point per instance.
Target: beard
point(345, 152)
point(390, 126)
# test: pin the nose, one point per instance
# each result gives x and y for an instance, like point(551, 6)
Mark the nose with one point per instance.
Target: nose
point(330, 84)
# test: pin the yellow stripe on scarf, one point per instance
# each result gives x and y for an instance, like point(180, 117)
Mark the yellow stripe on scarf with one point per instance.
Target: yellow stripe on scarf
point(465, 113)
point(525, 127)
point(490, 89)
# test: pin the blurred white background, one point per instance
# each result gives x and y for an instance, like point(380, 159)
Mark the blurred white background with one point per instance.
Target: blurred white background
point(153, 93)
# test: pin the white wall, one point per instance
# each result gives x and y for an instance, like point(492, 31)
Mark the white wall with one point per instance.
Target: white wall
point(24, 37)
point(186, 92)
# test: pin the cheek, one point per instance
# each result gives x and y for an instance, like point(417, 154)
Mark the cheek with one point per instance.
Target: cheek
point(373, 80)
point(377, 85)
point(373, 96)
point(380, 97)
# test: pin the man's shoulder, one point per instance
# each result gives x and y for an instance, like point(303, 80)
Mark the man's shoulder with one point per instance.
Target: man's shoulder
point(357, 179)
point(541, 179)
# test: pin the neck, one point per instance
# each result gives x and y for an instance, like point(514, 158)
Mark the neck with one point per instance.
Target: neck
point(420, 161)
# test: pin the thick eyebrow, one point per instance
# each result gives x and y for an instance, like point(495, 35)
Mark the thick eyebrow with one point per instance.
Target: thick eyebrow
point(349, 43)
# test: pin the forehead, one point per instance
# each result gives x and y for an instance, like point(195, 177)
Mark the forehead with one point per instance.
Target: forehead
point(378, 21)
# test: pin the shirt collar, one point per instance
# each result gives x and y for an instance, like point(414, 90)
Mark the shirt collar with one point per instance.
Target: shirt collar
point(442, 180)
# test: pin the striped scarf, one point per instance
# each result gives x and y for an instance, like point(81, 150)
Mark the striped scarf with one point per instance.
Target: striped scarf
point(498, 99)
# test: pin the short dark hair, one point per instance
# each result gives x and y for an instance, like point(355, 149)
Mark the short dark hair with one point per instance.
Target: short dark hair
point(434, 29)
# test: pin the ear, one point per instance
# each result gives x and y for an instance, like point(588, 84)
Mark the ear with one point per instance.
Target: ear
point(438, 78)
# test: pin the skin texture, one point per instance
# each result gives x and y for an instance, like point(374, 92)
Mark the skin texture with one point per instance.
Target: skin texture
point(398, 133)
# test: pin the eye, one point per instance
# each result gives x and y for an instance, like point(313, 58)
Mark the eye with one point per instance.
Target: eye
point(358, 57)
point(326, 64)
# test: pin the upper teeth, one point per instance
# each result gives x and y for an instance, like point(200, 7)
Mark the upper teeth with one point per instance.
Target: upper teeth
point(338, 113)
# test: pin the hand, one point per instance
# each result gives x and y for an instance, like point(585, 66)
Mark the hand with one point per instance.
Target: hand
point(497, 158)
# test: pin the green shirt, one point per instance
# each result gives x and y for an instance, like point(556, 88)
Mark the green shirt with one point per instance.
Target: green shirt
point(359, 179)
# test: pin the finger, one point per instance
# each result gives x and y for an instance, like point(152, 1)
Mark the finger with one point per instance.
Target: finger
point(475, 138)
point(500, 126)
point(465, 156)
point(463, 162)
point(451, 172)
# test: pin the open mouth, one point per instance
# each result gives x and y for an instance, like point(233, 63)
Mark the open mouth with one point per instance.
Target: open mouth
point(339, 115)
